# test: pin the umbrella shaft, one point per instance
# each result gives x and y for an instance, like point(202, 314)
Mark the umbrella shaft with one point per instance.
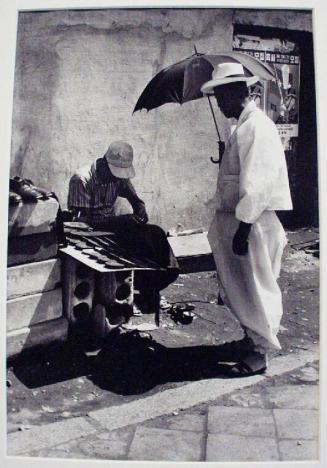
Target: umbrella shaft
point(214, 118)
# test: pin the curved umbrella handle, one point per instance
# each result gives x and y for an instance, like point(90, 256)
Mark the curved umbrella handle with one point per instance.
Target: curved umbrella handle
point(221, 150)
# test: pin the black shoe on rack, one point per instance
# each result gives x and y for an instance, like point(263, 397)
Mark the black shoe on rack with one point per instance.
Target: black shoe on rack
point(14, 198)
point(44, 192)
point(28, 193)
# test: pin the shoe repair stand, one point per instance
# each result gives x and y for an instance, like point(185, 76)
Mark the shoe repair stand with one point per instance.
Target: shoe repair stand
point(96, 298)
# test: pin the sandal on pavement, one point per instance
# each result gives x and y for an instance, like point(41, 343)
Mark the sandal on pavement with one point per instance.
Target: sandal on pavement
point(235, 350)
point(252, 363)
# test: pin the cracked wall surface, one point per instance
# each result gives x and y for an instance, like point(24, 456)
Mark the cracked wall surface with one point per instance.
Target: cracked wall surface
point(78, 77)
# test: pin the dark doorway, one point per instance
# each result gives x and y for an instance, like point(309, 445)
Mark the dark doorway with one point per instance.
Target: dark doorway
point(302, 159)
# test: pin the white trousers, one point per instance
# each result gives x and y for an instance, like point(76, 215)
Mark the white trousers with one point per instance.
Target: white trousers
point(248, 284)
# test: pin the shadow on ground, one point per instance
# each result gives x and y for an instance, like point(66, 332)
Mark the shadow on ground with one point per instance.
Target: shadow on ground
point(128, 363)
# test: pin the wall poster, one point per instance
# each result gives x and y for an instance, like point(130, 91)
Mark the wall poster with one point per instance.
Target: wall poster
point(279, 99)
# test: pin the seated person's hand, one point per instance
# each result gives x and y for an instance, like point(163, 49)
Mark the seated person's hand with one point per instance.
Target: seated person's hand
point(123, 219)
point(141, 215)
point(126, 220)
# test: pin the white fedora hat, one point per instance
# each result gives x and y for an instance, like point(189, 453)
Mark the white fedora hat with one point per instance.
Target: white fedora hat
point(229, 72)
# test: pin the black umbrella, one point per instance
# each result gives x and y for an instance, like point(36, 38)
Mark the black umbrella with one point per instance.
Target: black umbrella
point(182, 81)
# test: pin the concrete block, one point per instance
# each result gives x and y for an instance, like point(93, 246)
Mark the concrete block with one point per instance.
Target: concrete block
point(32, 278)
point(41, 334)
point(297, 423)
point(241, 421)
point(31, 218)
point(163, 444)
point(32, 248)
point(298, 450)
point(294, 396)
point(47, 435)
point(229, 448)
point(77, 277)
point(29, 310)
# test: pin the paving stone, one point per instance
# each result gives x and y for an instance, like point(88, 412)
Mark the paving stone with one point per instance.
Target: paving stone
point(246, 398)
point(57, 453)
point(108, 445)
point(227, 447)
point(296, 423)
point(241, 421)
point(294, 396)
point(164, 444)
point(188, 422)
point(293, 450)
point(309, 374)
point(47, 435)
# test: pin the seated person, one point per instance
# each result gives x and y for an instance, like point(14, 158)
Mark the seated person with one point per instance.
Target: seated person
point(93, 192)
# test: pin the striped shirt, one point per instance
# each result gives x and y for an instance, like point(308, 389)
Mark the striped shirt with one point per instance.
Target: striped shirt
point(95, 190)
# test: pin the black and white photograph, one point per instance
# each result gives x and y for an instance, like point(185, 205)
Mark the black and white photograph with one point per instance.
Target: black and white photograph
point(162, 274)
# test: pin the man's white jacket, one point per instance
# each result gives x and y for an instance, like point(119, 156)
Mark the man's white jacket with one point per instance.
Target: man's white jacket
point(253, 176)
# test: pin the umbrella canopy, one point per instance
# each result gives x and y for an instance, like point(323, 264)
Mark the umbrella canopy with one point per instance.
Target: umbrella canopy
point(182, 81)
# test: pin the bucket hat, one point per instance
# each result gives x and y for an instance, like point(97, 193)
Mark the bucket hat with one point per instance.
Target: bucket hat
point(228, 72)
point(119, 157)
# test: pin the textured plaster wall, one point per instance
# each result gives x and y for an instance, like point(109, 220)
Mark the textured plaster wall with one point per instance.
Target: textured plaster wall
point(284, 19)
point(78, 77)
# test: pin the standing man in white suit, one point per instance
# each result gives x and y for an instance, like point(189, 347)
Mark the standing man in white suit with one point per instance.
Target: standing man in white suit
point(245, 235)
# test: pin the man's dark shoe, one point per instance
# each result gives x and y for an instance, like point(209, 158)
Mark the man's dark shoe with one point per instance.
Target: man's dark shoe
point(252, 363)
point(44, 192)
point(14, 198)
point(28, 193)
point(235, 350)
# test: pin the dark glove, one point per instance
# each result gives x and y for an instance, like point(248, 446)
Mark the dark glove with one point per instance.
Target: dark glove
point(241, 239)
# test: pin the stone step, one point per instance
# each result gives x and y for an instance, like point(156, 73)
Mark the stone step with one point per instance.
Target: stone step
point(193, 252)
point(32, 218)
point(190, 245)
point(41, 334)
point(32, 248)
point(33, 278)
point(26, 311)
